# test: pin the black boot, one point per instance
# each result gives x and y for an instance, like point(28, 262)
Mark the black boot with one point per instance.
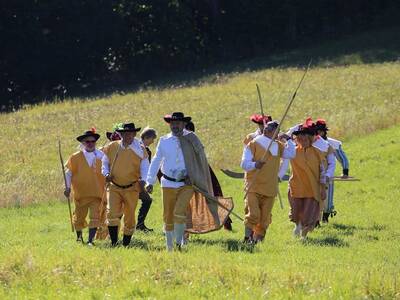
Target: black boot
point(325, 217)
point(113, 232)
point(79, 237)
point(92, 234)
point(143, 211)
point(127, 240)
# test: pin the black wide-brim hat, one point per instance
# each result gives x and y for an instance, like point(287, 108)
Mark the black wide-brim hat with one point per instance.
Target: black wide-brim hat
point(304, 130)
point(128, 127)
point(177, 116)
point(88, 133)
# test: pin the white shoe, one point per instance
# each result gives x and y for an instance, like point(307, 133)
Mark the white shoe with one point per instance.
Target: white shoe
point(297, 230)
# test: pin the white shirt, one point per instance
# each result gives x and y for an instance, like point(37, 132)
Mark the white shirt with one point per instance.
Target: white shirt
point(169, 157)
point(136, 147)
point(90, 158)
point(335, 144)
point(248, 162)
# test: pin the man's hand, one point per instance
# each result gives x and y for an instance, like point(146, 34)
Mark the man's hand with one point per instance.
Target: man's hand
point(67, 192)
point(109, 178)
point(323, 192)
point(259, 164)
point(283, 137)
point(142, 185)
point(149, 188)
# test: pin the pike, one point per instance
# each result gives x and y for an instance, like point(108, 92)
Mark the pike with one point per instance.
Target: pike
point(65, 184)
point(247, 188)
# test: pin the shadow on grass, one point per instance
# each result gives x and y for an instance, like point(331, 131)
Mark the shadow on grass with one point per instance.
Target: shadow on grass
point(346, 229)
point(230, 245)
point(329, 241)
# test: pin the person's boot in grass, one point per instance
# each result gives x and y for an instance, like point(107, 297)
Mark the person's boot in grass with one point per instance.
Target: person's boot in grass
point(92, 234)
point(126, 240)
point(169, 239)
point(248, 235)
point(325, 217)
point(113, 232)
point(79, 237)
point(297, 230)
point(179, 231)
point(228, 224)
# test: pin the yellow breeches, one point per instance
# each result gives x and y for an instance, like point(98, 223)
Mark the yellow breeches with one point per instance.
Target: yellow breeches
point(122, 202)
point(175, 204)
point(82, 207)
point(258, 210)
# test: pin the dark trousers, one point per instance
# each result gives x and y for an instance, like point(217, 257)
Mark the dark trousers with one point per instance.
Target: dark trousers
point(144, 208)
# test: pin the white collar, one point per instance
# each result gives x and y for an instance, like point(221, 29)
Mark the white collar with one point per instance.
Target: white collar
point(135, 146)
point(264, 141)
point(321, 144)
point(185, 132)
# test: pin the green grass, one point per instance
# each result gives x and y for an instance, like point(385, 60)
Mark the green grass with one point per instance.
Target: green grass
point(355, 256)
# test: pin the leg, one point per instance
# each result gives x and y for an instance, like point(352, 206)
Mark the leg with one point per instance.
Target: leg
point(94, 218)
point(252, 217)
point(184, 195)
point(114, 213)
point(266, 205)
point(144, 209)
point(311, 214)
point(130, 202)
point(169, 198)
point(79, 218)
point(296, 213)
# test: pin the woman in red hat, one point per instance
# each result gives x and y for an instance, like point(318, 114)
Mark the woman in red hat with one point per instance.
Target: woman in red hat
point(307, 185)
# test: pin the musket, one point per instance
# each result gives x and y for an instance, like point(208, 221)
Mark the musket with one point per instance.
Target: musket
point(247, 188)
point(263, 116)
point(65, 184)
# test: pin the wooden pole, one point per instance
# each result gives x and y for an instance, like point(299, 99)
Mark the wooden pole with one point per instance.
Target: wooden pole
point(65, 184)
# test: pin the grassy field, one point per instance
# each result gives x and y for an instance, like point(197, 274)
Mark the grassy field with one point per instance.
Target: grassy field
point(356, 256)
point(355, 100)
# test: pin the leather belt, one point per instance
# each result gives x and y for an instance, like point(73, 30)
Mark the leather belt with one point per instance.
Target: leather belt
point(124, 186)
point(172, 179)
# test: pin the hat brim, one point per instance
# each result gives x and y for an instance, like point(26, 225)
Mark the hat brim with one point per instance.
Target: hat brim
point(108, 135)
point(308, 132)
point(129, 130)
point(83, 136)
point(168, 119)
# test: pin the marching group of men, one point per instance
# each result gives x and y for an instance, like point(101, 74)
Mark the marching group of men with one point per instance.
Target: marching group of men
point(107, 183)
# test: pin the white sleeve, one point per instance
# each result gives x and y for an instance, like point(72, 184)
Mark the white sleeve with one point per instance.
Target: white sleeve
point(144, 168)
point(290, 150)
point(155, 165)
point(331, 165)
point(68, 178)
point(283, 168)
point(247, 162)
point(105, 165)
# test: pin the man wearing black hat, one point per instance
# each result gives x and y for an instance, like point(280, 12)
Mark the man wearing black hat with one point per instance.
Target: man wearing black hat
point(84, 176)
point(125, 165)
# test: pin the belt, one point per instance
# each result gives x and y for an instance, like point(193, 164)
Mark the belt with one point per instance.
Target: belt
point(124, 186)
point(172, 179)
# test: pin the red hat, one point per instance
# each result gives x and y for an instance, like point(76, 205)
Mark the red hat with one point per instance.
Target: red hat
point(259, 119)
point(308, 127)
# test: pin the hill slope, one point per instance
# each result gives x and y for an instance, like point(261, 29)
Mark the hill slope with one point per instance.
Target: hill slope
point(354, 256)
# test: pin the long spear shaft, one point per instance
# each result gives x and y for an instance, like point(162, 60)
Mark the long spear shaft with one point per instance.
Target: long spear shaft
point(262, 113)
point(278, 128)
point(65, 183)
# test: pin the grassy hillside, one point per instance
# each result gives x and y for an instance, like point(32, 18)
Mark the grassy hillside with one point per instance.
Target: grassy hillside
point(355, 99)
point(355, 256)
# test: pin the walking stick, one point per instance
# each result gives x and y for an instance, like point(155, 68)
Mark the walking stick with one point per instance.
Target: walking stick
point(278, 128)
point(65, 184)
point(215, 200)
point(262, 113)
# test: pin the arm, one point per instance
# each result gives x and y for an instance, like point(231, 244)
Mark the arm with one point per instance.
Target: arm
point(68, 177)
point(289, 152)
point(247, 162)
point(155, 165)
point(144, 168)
point(343, 160)
point(105, 166)
point(330, 172)
point(283, 168)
